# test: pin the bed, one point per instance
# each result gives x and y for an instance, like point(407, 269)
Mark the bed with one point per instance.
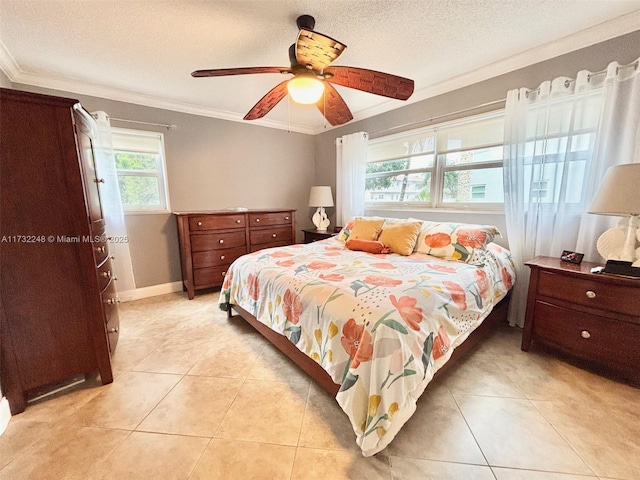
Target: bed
point(371, 329)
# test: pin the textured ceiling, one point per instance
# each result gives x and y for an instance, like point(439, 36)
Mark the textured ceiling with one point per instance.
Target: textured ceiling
point(143, 51)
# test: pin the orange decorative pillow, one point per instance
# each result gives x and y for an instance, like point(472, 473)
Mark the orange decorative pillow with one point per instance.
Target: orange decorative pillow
point(400, 237)
point(369, 246)
point(366, 228)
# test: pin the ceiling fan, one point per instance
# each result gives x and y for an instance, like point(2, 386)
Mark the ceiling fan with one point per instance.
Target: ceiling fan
point(311, 57)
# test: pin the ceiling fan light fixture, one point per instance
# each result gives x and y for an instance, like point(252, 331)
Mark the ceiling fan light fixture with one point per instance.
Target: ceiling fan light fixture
point(305, 89)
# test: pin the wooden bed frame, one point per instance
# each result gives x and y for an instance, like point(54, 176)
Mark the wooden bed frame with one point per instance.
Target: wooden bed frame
point(316, 372)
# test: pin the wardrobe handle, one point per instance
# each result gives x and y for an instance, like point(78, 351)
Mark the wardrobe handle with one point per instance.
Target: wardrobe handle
point(99, 180)
point(113, 330)
point(591, 294)
point(585, 334)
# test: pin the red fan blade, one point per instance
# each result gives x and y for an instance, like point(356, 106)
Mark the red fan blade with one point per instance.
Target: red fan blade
point(336, 111)
point(267, 102)
point(371, 81)
point(317, 50)
point(222, 72)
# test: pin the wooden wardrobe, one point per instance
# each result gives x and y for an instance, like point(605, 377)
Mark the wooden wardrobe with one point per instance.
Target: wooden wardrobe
point(57, 296)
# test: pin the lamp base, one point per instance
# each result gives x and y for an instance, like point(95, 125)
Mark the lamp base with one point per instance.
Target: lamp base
point(620, 267)
point(320, 220)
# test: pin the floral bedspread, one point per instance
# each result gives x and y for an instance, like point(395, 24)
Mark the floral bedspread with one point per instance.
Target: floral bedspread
point(380, 325)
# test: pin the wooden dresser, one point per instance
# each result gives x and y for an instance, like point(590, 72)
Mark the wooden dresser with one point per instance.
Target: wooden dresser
point(593, 317)
point(59, 306)
point(210, 241)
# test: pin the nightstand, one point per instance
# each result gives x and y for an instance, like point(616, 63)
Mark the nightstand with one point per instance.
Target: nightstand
point(311, 236)
point(593, 317)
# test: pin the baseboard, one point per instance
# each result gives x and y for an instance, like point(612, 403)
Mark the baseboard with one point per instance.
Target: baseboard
point(5, 414)
point(151, 291)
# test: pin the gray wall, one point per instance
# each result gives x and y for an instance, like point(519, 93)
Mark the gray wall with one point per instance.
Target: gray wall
point(624, 49)
point(4, 80)
point(211, 164)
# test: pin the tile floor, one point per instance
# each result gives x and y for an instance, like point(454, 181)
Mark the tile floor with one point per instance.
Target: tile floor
point(197, 396)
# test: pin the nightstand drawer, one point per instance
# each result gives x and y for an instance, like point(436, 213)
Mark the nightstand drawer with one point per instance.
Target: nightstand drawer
point(589, 337)
point(590, 293)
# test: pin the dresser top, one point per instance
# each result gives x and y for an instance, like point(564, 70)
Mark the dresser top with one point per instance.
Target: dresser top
point(230, 211)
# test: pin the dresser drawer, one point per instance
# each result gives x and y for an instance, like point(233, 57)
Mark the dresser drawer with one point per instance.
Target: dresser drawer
point(113, 332)
point(209, 241)
point(104, 274)
point(209, 277)
point(271, 235)
point(215, 222)
point(262, 219)
point(212, 258)
point(592, 338)
point(262, 246)
point(591, 293)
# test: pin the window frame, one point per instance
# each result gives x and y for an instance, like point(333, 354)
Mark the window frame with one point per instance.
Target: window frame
point(160, 173)
point(440, 168)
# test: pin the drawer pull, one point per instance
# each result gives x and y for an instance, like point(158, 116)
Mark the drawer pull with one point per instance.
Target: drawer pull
point(113, 330)
point(238, 221)
point(199, 224)
point(274, 235)
point(220, 241)
point(101, 249)
point(106, 274)
point(113, 301)
point(221, 257)
point(99, 180)
point(224, 273)
point(115, 278)
point(112, 256)
point(286, 218)
point(257, 220)
point(591, 294)
point(585, 334)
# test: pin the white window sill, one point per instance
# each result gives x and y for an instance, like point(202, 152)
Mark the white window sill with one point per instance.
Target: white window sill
point(479, 211)
point(147, 212)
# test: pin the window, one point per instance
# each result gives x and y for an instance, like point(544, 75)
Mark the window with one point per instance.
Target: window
point(456, 164)
point(139, 157)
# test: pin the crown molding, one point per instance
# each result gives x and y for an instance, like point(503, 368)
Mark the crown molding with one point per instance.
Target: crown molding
point(584, 38)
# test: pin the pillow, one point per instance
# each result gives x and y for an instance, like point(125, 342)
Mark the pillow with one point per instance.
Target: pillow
point(366, 228)
point(369, 246)
point(455, 241)
point(400, 237)
point(343, 236)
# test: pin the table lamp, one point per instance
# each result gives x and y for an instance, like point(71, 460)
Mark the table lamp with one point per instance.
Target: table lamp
point(619, 195)
point(320, 197)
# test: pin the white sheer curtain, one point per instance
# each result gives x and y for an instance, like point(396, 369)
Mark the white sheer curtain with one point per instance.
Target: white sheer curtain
point(112, 207)
point(559, 141)
point(351, 165)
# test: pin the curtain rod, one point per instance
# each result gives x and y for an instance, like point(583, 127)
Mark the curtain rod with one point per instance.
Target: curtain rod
point(437, 117)
point(168, 127)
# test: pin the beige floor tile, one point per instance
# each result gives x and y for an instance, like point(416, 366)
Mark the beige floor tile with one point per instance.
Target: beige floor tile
point(325, 425)
point(127, 401)
point(479, 375)
point(512, 474)
point(267, 412)
point(231, 459)
point(131, 350)
point(414, 469)
point(232, 358)
point(607, 438)
point(437, 431)
point(21, 434)
point(176, 356)
point(66, 453)
point(317, 464)
point(195, 406)
point(274, 366)
point(512, 433)
point(154, 456)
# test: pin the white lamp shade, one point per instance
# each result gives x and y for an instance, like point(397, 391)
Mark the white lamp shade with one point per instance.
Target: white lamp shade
point(619, 192)
point(321, 197)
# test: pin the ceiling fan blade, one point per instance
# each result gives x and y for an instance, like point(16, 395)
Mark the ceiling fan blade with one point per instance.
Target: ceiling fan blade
point(317, 50)
point(267, 102)
point(371, 81)
point(336, 111)
point(223, 72)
